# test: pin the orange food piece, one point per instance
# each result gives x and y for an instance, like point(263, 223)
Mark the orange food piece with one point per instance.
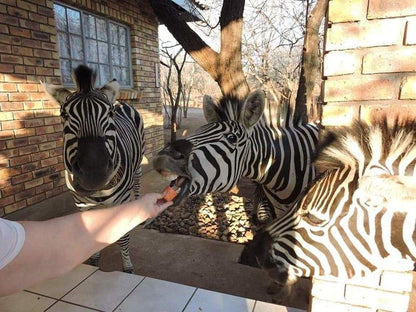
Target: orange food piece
point(169, 193)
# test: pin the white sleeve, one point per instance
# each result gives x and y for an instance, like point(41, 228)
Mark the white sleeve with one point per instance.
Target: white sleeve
point(12, 237)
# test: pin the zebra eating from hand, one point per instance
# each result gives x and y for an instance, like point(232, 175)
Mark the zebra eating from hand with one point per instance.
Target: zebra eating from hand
point(245, 139)
point(103, 147)
point(357, 218)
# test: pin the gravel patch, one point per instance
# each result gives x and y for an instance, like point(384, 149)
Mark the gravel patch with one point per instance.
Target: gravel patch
point(219, 216)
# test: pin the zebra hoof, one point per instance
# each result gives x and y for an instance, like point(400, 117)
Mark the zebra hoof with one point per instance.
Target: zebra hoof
point(128, 270)
point(93, 262)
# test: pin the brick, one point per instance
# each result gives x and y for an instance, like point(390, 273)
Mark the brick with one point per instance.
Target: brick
point(12, 125)
point(396, 281)
point(44, 187)
point(358, 35)
point(13, 59)
point(28, 149)
point(22, 178)
point(337, 11)
point(45, 54)
point(22, 51)
point(408, 88)
point(6, 116)
point(27, 6)
point(21, 133)
point(42, 172)
point(17, 12)
point(25, 194)
point(365, 88)
point(19, 160)
point(28, 87)
point(19, 32)
point(6, 68)
point(48, 162)
point(6, 135)
point(40, 155)
point(11, 190)
point(319, 305)
point(326, 289)
point(33, 183)
point(410, 33)
point(339, 115)
point(6, 201)
point(40, 36)
point(32, 25)
point(17, 143)
point(30, 167)
point(14, 207)
point(24, 70)
point(398, 59)
point(6, 49)
point(341, 63)
point(33, 61)
point(383, 9)
point(33, 123)
point(10, 20)
point(39, 18)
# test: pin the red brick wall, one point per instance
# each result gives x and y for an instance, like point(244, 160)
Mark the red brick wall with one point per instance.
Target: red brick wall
point(369, 62)
point(31, 168)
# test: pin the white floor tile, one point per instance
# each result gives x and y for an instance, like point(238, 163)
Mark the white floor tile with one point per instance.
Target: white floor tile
point(209, 301)
point(154, 295)
point(68, 307)
point(104, 290)
point(24, 302)
point(58, 287)
point(269, 307)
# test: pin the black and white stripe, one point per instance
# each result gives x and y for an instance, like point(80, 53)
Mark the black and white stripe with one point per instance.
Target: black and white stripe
point(358, 217)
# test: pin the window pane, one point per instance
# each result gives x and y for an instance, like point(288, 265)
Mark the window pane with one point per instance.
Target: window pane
point(74, 21)
point(66, 71)
point(104, 74)
point(90, 26)
point(101, 29)
point(75, 64)
point(92, 54)
point(60, 17)
point(115, 56)
point(63, 45)
point(123, 36)
point(103, 52)
point(123, 56)
point(114, 33)
point(125, 78)
point(117, 73)
point(77, 52)
point(94, 67)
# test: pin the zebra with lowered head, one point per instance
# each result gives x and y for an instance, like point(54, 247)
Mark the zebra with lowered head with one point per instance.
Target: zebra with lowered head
point(245, 139)
point(358, 217)
point(103, 147)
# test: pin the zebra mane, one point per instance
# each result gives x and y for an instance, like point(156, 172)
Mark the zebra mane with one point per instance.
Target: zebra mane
point(362, 143)
point(276, 114)
point(84, 77)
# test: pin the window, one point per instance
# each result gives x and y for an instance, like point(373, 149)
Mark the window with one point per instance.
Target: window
point(102, 44)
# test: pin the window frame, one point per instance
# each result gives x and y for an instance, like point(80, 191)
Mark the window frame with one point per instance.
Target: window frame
point(84, 15)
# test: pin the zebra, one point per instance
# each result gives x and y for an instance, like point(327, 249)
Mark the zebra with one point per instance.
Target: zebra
point(103, 147)
point(358, 217)
point(245, 139)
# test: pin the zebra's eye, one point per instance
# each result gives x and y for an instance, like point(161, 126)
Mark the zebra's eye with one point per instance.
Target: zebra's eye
point(64, 115)
point(231, 137)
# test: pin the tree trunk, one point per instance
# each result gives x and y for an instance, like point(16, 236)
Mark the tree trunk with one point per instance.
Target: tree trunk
point(310, 65)
point(224, 67)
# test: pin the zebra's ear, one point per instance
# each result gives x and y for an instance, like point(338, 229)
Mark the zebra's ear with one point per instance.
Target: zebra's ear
point(253, 108)
point(210, 109)
point(58, 93)
point(111, 90)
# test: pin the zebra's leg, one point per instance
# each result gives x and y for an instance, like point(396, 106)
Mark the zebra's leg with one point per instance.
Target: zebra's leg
point(94, 259)
point(125, 253)
point(264, 211)
point(136, 186)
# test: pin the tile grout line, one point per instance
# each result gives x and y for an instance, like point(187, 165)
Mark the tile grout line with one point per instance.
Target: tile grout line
point(254, 306)
point(190, 299)
point(134, 288)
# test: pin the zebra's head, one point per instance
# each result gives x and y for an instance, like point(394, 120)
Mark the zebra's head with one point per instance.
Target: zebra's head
point(356, 218)
point(89, 130)
point(212, 159)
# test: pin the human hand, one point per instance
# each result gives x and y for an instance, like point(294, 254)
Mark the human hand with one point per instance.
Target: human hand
point(151, 204)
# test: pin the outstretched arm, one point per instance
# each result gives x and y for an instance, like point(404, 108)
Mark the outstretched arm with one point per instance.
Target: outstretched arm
point(56, 246)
